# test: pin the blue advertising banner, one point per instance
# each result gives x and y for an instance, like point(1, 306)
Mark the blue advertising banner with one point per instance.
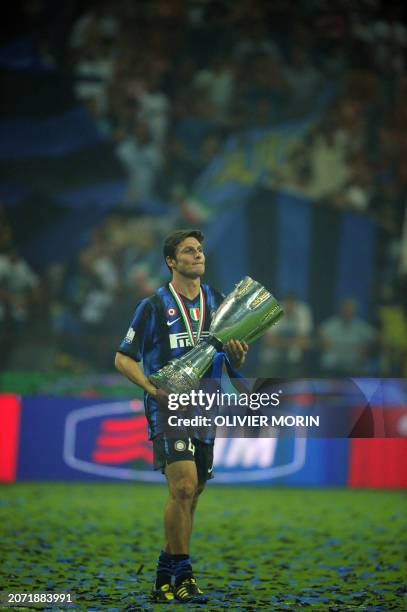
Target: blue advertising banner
point(82, 439)
point(70, 438)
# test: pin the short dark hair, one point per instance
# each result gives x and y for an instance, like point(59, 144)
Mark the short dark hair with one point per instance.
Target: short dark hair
point(175, 238)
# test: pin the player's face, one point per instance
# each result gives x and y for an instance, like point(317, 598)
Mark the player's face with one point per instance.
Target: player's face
point(189, 258)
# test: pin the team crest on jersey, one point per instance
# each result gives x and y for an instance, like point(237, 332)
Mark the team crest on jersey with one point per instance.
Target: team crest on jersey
point(194, 313)
point(171, 312)
point(180, 445)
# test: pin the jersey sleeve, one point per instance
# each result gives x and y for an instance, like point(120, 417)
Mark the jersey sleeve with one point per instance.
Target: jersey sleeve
point(139, 334)
point(219, 297)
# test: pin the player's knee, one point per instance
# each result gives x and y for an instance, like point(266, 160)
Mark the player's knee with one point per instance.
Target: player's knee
point(184, 490)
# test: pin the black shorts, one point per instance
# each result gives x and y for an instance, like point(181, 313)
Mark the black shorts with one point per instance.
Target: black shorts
point(168, 450)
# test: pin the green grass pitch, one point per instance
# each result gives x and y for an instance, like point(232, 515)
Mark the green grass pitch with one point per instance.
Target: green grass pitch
point(254, 548)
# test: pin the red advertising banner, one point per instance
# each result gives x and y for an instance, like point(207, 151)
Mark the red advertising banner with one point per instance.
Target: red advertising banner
point(10, 409)
point(379, 462)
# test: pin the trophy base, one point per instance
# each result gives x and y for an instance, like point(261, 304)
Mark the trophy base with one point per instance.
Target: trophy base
point(173, 379)
point(183, 375)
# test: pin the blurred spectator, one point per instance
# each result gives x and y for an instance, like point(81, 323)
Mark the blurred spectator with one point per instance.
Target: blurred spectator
point(153, 107)
point(346, 341)
point(60, 317)
point(142, 236)
point(100, 22)
point(386, 40)
point(393, 336)
point(142, 158)
point(90, 294)
point(98, 259)
point(19, 288)
point(358, 190)
point(19, 294)
point(92, 78)
point(303, 79)
point(333, 144)
point(217, 84)
point(284, 347)
point(327, 153)
point(94, 71)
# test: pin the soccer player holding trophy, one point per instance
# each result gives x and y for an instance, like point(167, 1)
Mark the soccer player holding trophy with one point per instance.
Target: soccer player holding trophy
point(181, 334)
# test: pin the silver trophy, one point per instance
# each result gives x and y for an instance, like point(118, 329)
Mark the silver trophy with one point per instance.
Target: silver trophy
point(245, 314)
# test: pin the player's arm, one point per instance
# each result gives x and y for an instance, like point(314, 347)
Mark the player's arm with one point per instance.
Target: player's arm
point(130, 352)
point(132, 370)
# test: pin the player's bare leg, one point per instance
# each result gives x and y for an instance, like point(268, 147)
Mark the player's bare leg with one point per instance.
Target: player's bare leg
point(194, 504)
point(179, 510)
point(183, 485)
point(174, 558)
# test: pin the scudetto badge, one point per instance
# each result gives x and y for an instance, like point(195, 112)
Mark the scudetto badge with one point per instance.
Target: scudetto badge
point(195, 313)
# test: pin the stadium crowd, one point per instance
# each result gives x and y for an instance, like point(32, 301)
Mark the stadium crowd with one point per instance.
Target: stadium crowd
point(168, 83)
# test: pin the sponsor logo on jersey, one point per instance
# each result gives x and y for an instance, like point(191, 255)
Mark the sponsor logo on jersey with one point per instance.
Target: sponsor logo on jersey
point(130, 336)
point(181, 340)
point(169, 323)
point(171, 312)
point(195, 313)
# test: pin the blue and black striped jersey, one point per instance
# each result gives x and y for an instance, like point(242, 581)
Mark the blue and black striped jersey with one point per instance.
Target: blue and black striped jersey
point(157, 334)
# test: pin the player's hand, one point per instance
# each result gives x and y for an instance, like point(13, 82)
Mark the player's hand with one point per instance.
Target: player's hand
point(160, 396)
point(236, 351)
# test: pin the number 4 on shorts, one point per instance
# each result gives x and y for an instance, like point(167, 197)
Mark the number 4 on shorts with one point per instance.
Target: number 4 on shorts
point(191, 447)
